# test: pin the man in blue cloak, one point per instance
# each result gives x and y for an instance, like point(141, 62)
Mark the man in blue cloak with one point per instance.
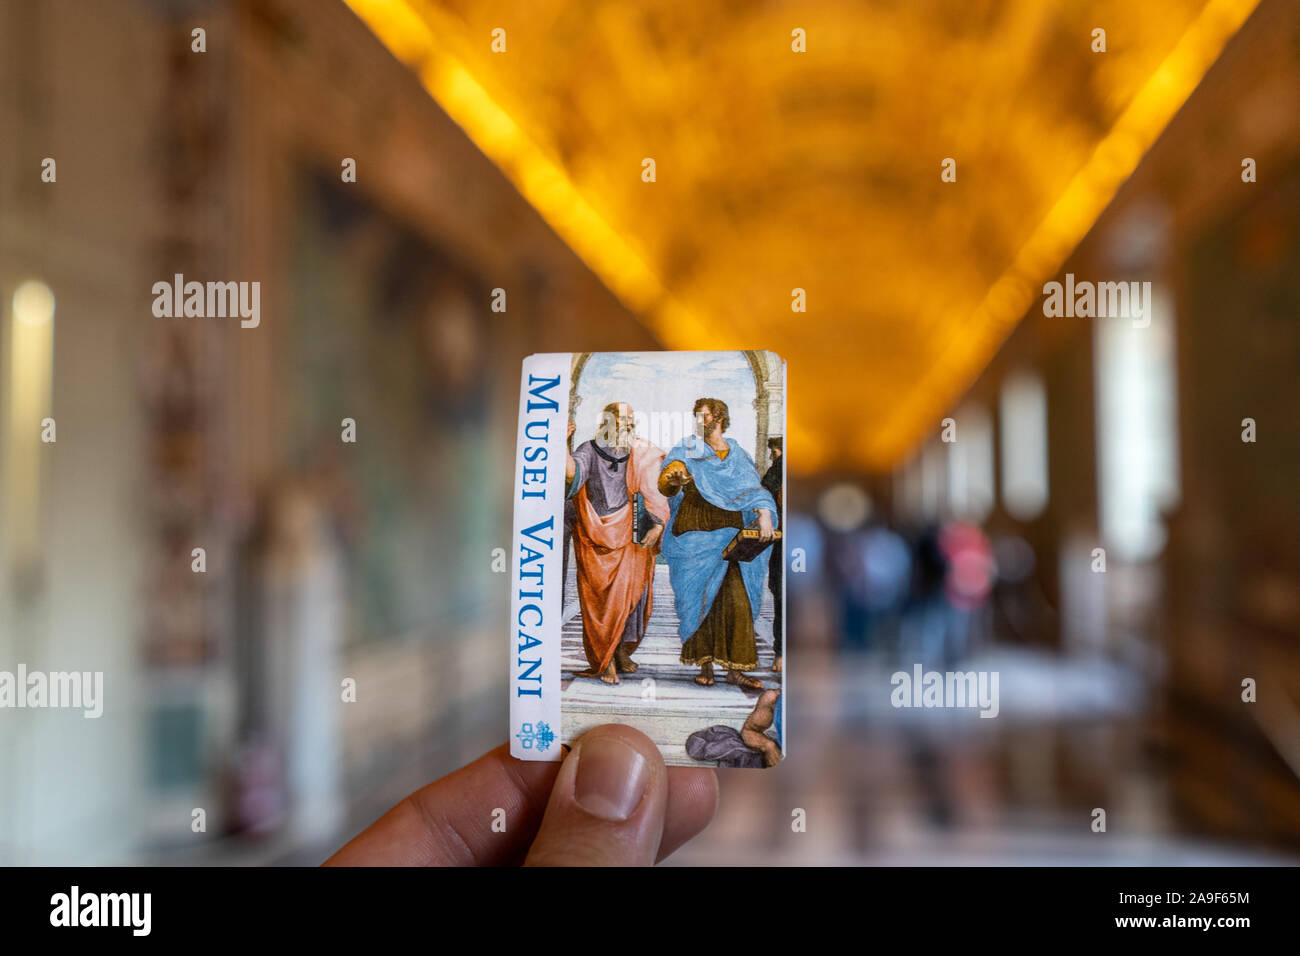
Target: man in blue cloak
point(713, 491)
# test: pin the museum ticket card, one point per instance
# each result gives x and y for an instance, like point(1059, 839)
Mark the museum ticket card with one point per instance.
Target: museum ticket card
point(648, 553)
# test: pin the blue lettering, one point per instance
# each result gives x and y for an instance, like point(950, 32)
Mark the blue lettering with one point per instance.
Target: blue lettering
point(549, 404)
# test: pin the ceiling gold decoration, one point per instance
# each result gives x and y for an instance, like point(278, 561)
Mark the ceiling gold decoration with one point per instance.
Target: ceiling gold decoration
point(819, 170)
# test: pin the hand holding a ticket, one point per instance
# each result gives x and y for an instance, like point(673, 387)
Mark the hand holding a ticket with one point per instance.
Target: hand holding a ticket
point(610, 802)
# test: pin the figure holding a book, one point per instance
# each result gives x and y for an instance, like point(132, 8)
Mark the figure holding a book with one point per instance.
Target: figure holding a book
point(716, 541)
point(619, 519)
point(772, 481)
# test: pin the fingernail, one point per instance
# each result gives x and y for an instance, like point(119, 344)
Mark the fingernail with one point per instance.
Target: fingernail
point(611, 778)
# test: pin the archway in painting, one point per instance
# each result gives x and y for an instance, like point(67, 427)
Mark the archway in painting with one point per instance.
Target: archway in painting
point(766, 390)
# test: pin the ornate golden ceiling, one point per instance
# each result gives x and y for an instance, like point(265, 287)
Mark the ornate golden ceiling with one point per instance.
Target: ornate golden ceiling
point(819, 170)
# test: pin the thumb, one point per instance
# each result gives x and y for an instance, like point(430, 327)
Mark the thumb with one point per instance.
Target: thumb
point(607, 805)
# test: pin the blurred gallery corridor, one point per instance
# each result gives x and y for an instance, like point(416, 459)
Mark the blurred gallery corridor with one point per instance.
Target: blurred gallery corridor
point(1087, 491)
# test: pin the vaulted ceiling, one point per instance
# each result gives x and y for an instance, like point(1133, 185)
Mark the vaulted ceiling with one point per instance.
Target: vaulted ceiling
point(778, 170)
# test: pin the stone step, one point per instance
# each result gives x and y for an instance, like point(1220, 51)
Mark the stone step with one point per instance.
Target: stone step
point(666, 730)
point(654, 661)
point(679, 707)
point(659, 665)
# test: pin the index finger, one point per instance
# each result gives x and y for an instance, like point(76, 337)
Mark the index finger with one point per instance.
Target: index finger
point(449, 822)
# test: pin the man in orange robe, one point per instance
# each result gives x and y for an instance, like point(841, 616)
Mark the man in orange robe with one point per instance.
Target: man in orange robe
point(615, 572)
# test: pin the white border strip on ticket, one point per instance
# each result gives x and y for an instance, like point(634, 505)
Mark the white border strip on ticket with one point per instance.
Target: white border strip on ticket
point(536, 560)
